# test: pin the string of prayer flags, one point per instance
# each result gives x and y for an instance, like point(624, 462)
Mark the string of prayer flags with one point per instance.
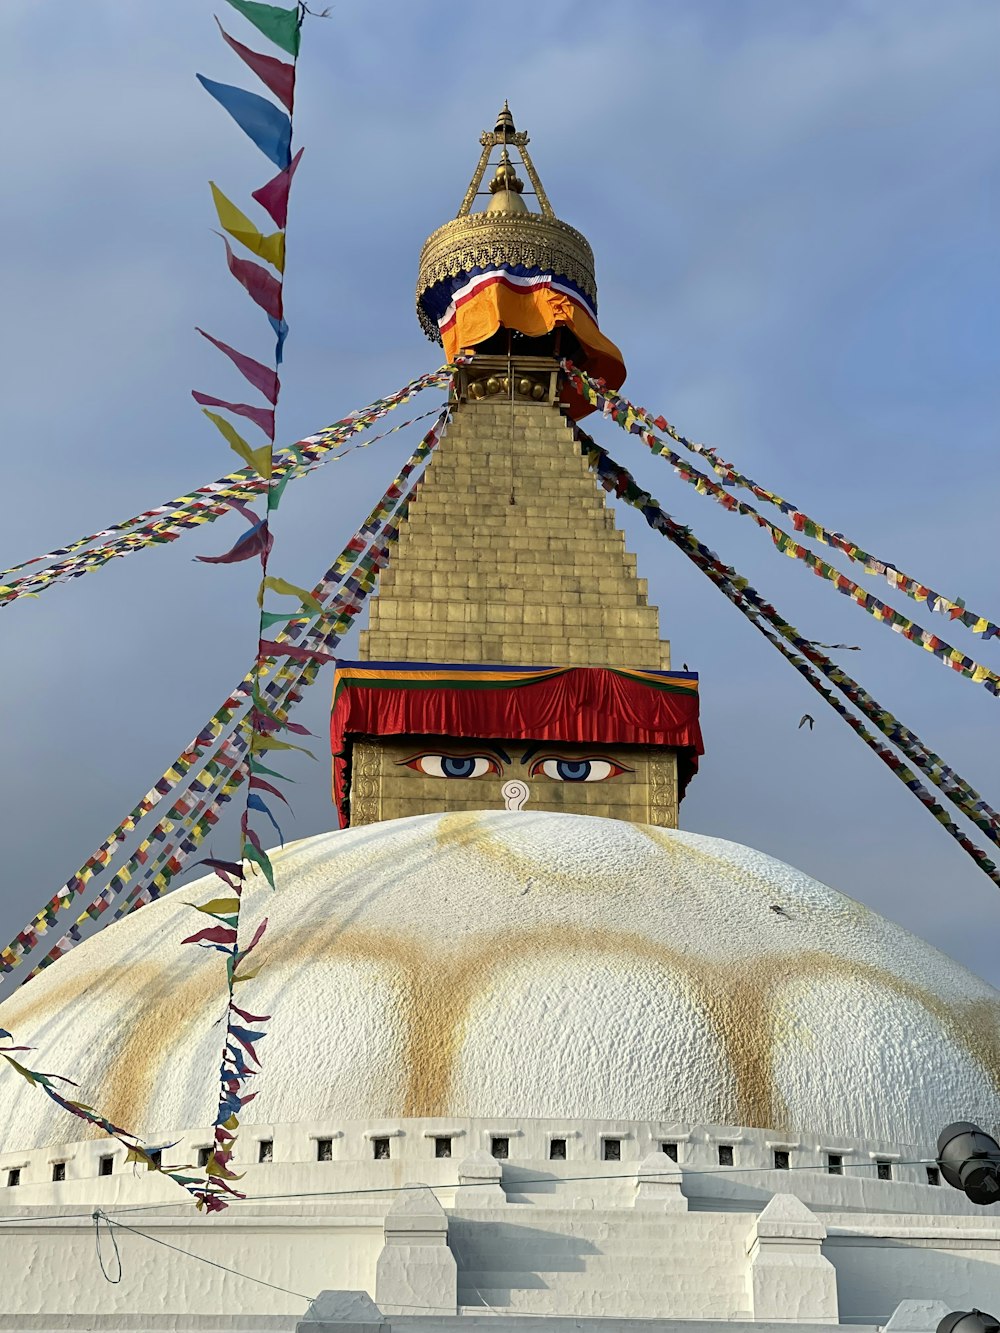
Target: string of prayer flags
point(203, 816)
point(145, 876)
point(164, 523)
point(270, 128)
point(959, 791)
point(784, 542)
point(629, 416)
point(616, 479)
point(135, 1151)
point(227, 758)
point(156, 877)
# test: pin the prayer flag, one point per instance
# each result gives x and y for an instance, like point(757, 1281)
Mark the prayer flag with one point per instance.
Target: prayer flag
point(262, 286)
point(231, 219)
point(275, 74)
point(259, 375)
point(258, 459)
point(260, 416)
point(258, 540)
point(281, 26)
point(260, 120)
point(286, 589)
point(274, 195)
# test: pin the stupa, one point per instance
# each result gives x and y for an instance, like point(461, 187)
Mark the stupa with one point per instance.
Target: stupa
point(534, 1051)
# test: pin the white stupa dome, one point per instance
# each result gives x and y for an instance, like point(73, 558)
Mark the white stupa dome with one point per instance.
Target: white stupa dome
point(516, 964)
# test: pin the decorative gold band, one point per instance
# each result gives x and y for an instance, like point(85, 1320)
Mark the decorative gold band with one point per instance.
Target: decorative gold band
point(483, 240)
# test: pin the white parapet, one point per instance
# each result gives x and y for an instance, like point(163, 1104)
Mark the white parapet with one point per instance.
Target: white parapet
point(342, 1312)
point(658, 1185)
point(480, 1181)
point(416, 1272)
point(788, 1277)
point(920, 1316)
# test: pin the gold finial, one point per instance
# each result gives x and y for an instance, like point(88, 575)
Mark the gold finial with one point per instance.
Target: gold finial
point(505, 122)
point(503, 134)
point(506, 178)
point(506, 189)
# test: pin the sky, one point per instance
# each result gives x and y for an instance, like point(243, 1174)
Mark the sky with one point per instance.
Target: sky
point(793, 212)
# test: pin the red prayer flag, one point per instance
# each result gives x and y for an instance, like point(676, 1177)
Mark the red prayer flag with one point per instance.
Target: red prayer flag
point(274, 195)
point(260, 376)
point(213, 935)
point(263, 287)
point(256, 541)
point(275, 74)
point(260, 416)
point(272, 648)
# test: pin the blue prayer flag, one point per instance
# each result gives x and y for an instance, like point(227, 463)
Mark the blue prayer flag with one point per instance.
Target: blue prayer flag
point(267, 125)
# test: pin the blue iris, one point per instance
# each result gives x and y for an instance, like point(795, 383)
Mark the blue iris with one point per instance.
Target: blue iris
point(461, 766)
point(573, 770)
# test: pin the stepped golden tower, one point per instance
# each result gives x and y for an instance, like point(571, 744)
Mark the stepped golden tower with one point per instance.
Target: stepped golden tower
point(510, 580)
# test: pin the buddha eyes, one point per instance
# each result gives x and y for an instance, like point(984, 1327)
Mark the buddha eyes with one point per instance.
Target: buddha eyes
point(436, 765)
point(577, 770)
point(453, 765)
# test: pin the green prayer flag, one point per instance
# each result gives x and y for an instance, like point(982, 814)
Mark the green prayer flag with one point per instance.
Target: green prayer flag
point(280, 25)
point(257, 767)
point(270, 618)
point(251, 853)
point(276, 490)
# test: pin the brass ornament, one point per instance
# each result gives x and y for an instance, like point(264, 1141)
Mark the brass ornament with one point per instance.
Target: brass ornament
point(489, 239)
point(486, 240)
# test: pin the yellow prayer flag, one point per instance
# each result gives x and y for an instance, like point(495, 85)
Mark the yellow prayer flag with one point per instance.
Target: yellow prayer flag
point(258, 459)
point(286, 589)
point(980, 625)
point(219, 906)
point(271, 248)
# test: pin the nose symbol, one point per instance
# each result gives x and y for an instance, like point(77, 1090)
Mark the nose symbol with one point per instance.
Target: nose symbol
point(514, 794)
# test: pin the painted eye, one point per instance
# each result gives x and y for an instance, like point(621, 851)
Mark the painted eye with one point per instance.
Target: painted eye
point(577, 770)
point(453, 765)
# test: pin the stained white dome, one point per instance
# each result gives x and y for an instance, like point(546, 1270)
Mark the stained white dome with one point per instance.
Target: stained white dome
point(519, 964)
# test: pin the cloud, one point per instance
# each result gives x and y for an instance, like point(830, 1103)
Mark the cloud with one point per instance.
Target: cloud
point(786, 204)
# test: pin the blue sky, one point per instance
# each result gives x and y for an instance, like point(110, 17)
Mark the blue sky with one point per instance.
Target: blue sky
point(793, 210)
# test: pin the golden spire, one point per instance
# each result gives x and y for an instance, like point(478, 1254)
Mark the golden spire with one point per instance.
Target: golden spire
point(500, 136)
point(506, 230)
point(505, 121)
point(506, 188)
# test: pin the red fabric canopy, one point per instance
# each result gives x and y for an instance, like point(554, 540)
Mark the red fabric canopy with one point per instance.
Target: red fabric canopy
point(600, 705)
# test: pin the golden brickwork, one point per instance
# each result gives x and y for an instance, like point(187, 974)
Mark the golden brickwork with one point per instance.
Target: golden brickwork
point(545, 581)
point(645, 795)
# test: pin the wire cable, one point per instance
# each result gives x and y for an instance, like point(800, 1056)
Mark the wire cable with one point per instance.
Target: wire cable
point(458, 1185)
point(190, 1254)
point(98, 1216)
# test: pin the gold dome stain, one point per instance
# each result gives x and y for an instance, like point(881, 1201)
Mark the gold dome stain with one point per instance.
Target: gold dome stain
point(666, 840)
point(155, 1015)
point(435, 986)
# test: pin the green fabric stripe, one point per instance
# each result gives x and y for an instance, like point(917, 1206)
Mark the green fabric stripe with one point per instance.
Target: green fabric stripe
point(280, 25)
point(448, 683)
